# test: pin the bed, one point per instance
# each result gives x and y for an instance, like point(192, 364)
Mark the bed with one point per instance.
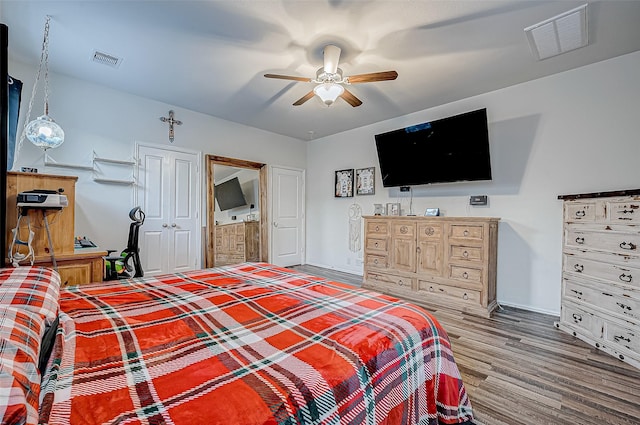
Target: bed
point(246, 344)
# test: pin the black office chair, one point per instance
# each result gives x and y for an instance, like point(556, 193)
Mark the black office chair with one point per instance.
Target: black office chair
point(118, 267)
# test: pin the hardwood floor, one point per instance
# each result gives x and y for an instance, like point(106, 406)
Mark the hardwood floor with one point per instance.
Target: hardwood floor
point(519, 369)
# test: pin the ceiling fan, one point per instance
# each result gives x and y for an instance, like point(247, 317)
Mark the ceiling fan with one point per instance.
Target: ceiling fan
point(330, 81)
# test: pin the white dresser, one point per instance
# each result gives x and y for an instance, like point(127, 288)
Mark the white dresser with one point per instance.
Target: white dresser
point(601, 271)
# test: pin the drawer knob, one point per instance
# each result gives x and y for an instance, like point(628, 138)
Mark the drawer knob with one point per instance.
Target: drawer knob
point(400, 282)
point(577, 318)
point(581, 213)
point(625, 278)
point(375, 261)
point(375, 244)
point(465, 275)
point(465, 296)
point(430, 288)
point(465, 254)
point(465, 233)
point(580, 240)
point(377, 228)
point(578, 267)
point(628, 245)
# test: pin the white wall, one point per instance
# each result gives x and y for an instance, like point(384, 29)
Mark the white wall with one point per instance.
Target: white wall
point(574, 132)
point(110, 122)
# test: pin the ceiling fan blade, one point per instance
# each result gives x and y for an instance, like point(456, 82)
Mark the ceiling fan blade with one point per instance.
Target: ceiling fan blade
point(350, 98)
point(288, 77)
point(331, 55)
point(374, 76)
point(304, 98)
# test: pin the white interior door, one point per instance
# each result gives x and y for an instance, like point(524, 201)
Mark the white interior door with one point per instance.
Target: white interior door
point(168, 188)
point(287, 227)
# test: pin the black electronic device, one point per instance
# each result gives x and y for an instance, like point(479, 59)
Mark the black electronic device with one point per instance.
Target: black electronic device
point(229, 194)
point(451, 149)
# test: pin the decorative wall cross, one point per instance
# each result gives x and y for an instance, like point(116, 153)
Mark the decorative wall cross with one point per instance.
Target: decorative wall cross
point(171, 122)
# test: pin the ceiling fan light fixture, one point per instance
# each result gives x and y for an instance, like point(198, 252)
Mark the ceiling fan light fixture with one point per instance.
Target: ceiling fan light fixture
point(328, 92)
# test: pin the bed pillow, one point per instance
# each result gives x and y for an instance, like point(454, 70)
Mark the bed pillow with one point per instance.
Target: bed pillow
point(28, 307)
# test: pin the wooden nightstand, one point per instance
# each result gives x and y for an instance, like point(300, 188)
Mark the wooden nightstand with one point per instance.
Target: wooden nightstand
point(83, 266)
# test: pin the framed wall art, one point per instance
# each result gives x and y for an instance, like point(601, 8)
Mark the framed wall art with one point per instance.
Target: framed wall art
point(344, 183)
point(365, 181)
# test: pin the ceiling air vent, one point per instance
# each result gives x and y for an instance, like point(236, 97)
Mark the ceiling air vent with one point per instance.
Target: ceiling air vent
point(106, 59)
point(560, 34)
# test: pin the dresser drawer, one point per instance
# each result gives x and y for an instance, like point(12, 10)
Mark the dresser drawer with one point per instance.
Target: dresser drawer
point(580, 211)
point(467, 274)
point(581, 320)
point(403, 229)
point(430, 231)
point(624, 211)
point(392, 283)
point(606, 240)
point(622, 336)
point(376, 244)
point(460, 294)
point(471, 232)
point(613, 273)
point(623, 303)
point(377, 228)
point(466, 253)
point(376, 260)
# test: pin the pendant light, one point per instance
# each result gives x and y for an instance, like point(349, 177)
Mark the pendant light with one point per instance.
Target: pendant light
point(43, 131)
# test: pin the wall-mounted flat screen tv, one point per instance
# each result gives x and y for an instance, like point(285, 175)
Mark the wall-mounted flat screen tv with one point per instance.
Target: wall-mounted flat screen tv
point(229, 194)
point(451, 149)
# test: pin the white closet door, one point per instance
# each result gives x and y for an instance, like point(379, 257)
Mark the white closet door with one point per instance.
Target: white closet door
point(287, 242)
point(168, 189)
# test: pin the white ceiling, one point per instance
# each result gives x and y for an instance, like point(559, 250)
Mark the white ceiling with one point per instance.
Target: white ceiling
point(210, 56)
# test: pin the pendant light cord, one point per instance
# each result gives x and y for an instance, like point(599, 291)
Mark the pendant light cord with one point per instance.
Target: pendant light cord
point(44, 63)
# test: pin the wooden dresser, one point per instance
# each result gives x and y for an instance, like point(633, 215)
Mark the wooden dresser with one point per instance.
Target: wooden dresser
point(445, 262)
point(601, 271)
point(75, 266)
point(237, 242)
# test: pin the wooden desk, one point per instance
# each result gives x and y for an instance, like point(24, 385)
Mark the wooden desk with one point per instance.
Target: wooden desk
point(85, 265)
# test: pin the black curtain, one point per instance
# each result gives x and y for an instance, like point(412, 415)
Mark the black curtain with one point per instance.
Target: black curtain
point(15, 94)
point(4, 134)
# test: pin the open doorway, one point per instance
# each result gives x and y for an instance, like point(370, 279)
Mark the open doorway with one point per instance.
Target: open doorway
point(213, 161)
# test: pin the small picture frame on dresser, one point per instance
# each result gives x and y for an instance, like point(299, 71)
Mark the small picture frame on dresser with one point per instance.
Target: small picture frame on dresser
point(432, 212)
point(393, 208)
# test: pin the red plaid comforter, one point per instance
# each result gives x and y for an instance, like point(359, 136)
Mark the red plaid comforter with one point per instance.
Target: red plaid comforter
point(247, 344)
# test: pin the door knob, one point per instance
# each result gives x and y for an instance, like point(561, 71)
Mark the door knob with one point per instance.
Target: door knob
point(165, 225)
point(275, 224)
point(173, 225)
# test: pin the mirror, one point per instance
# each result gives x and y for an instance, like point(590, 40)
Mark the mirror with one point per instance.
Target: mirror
point(221, 226)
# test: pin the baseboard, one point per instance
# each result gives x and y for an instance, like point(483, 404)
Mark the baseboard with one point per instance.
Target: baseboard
point(338, 269)
point(528, 308)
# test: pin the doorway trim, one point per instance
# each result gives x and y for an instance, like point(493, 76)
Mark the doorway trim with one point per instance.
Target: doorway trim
point(210, 162)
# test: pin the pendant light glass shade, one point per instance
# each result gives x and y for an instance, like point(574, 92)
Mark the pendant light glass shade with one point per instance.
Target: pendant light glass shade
point(328, 92)
point(44, 132)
